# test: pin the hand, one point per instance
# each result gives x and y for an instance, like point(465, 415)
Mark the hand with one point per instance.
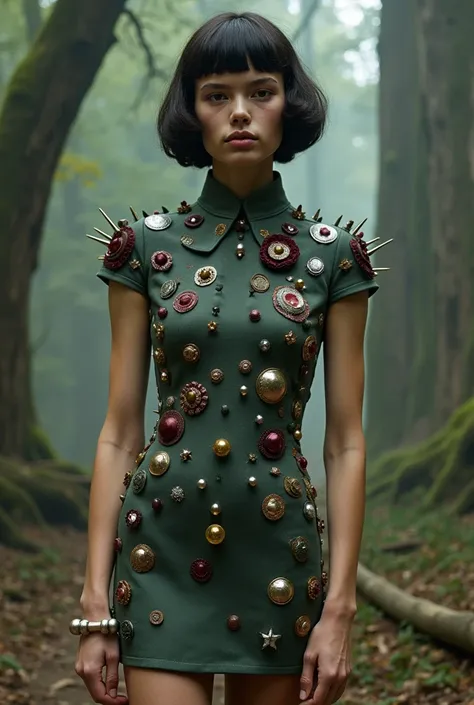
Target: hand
point(329, 653)
point(96, 651)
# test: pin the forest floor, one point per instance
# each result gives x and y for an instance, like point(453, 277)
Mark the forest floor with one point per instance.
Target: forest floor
point(391, 662)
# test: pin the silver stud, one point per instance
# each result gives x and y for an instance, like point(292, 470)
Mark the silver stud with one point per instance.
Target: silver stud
point(259, 419)
point(264, 345)
point(309, 511)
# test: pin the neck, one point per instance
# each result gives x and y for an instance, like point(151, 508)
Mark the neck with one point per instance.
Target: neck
point(243, 180)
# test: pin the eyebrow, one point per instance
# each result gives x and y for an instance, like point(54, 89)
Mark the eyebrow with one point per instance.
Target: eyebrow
point(255, 82)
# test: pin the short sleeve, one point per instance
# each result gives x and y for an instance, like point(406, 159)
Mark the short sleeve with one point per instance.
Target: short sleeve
point(124, 260)
point(352, 270)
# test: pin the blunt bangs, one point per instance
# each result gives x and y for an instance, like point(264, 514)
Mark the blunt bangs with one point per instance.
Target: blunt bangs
point(231, 43)
point(230, 46)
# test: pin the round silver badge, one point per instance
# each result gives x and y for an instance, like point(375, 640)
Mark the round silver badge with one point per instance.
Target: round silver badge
point(323, 233)
point(168, 288)
point(315, 266)
point(158, 221)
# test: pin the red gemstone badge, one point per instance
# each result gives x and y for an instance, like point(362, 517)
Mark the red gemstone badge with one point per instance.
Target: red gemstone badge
point(170, 427)
point(161, 261)
point(120, 248)
point(271, 444)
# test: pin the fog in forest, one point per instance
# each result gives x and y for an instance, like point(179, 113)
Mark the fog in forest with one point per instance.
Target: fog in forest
point(113, 160)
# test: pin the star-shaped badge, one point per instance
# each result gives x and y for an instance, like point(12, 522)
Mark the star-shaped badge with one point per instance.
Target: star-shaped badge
point(270, 639)
point(186, 455)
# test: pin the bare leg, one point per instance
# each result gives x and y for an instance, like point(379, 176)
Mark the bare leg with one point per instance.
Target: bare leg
point(147, 686)
point(262, 690)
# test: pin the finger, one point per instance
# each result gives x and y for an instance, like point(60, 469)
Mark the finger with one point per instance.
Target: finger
point(307, 675)
point(321, 693)
point(337, 692)
point(96, 686)
point(112, 677)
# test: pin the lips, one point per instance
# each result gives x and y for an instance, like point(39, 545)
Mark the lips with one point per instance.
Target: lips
point(240, 136)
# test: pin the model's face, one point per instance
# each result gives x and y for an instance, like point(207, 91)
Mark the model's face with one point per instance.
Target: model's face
point(250, 103)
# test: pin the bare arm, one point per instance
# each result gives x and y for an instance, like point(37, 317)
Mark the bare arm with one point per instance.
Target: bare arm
point(344, 446)
point(120, 440)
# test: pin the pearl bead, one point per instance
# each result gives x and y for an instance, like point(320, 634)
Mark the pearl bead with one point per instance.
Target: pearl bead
point(215, 509)
point(243, 390)
point(252, 481)
point(202, 484)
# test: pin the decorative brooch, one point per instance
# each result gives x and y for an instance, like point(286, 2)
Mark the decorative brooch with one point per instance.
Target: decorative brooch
point(279, 252)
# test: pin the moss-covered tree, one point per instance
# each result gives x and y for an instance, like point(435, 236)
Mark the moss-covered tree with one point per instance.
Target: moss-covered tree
point(40, 106)
point(421, 358)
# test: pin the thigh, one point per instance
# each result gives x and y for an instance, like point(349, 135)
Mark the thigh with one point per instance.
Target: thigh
point(147, 686)
point(262, 690)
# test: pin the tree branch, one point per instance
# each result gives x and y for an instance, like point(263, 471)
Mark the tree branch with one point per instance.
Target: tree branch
point(153, 70)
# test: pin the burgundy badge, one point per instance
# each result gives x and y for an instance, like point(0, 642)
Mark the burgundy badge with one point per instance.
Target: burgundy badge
point(310, 348)
point(271, 444)
point(194, 398)
point(194, 220)
point(279, 252)
point(161, 261)
point(120, 248)
point(201, 570)
point(133, 518)
point(185, 301)
point(290, 229)
point(359, 249)
point(290, 303)
point(170, 427)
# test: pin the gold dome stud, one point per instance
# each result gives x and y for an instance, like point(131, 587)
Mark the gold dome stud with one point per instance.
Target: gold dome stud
point(299, 284)
point(279, 249)
point(271, 385)
point(215, 534)
point(252, 481)
point(159, 463)
point(221, 447)
point(202, 484)
point(142, 558)
point(243, 390)
point(303, 625)
point(297, 435)
point(215, 509)
point(280, 591)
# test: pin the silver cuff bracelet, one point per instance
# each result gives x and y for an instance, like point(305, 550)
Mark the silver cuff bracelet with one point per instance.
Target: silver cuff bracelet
point(80, 627)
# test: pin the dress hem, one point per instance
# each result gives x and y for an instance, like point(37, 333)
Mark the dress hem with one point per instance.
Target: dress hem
point(221, 668)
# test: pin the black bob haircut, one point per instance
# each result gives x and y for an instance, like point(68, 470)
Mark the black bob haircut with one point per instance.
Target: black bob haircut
point(227, 43)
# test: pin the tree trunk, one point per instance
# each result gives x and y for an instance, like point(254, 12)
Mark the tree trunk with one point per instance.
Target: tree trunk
point(421, 361)
point(450, 626)
point(40, 106)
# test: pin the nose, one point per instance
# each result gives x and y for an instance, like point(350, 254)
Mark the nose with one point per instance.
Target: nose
point(240, 113)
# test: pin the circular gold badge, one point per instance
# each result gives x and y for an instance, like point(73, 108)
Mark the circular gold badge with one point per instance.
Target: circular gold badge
point(280, 591)
point(271, 385)
point(156, 617)
point(314, 587)
point(159, 463)
point(273, 507)
point(303, 625)
point(191, 353)
point(142, 558)
point(215, 534)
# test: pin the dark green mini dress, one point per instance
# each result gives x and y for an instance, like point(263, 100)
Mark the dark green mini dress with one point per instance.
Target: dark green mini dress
point(218, 552)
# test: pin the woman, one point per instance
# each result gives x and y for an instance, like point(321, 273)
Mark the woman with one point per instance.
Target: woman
point(218, 561)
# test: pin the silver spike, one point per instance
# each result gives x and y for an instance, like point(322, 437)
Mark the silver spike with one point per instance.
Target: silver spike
point(101, 257)
point(98, 239)
point(374, 249)
point(338, 220)
point(360, 226)
point(371, 241)
point(109, 220)
point(101, 232)
point(382, 269)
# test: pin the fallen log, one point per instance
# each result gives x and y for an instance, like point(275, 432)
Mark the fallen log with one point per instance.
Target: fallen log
point(450, 626)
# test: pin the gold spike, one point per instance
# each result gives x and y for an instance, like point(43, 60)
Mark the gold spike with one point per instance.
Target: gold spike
point(133, 213)
point(98, 239)
point(374, 249)
point(101, 232)
point(109, 220)
point(317, 214)
point(371, 241)
point(338, 220)
point(360, 226)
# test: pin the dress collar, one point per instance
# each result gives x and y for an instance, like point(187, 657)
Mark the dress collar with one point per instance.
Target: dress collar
point(220, 208)
point(264, 202)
